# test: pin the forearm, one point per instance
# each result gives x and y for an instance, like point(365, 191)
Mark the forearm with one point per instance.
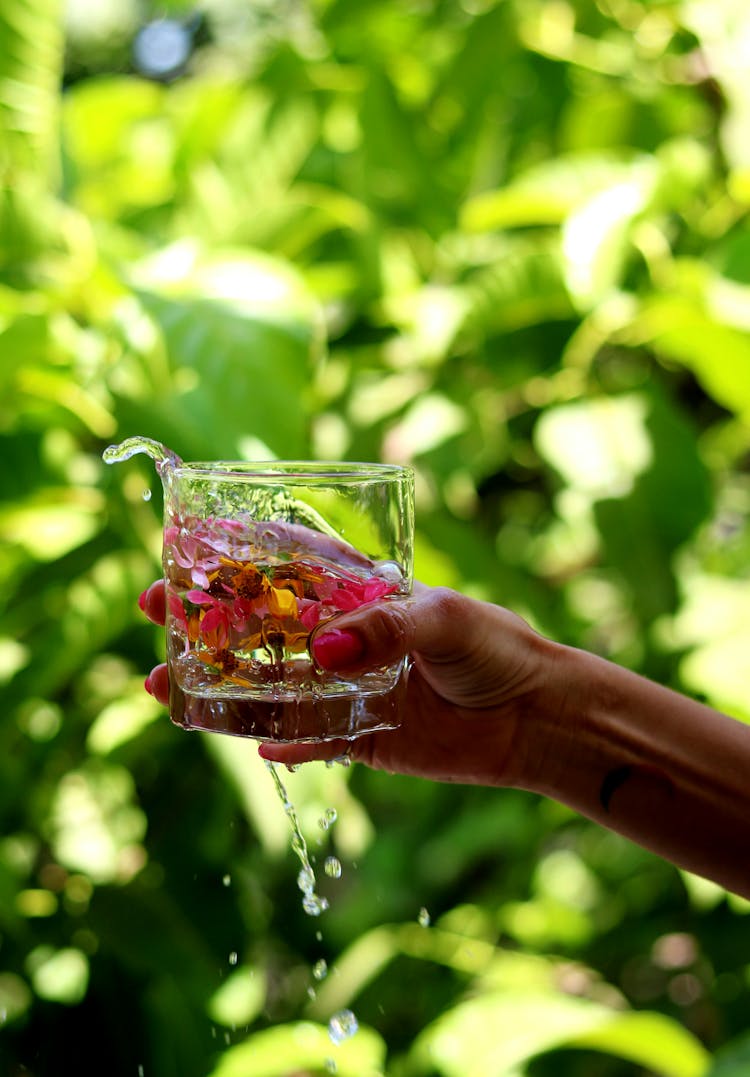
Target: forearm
point(664, 770)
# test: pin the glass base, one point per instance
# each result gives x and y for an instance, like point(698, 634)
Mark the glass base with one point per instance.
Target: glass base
point(287, 721)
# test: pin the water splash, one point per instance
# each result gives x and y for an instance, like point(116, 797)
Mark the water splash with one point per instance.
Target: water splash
point(160, 454)
point(312, 903)
point(234, 957)
point(423, 918)
point(342, 1026)
point(320, 969)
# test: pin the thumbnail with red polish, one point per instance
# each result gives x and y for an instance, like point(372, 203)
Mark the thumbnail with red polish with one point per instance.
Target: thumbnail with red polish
point(337, 647)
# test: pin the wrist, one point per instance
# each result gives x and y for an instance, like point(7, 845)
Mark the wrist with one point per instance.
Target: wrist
point(552, 719)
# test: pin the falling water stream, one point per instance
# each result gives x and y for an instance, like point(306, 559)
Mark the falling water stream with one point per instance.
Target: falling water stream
point(312, 903)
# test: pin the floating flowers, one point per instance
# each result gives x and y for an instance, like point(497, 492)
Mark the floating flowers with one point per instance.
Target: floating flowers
point(241, 604)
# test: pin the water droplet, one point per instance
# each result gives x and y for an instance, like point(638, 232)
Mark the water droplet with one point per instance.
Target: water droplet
point(342, 1026)
point(319, 936)
point(330, 1065)
point(146, 495)
point(320, 969)
point(389, 571)
point(227, 880)
point(141, 1070)
point(423, 917)
point(312, 993)
point(234, 957)
point(332, 867)
point(328, 818)
point(314, 905)
point(306, 880)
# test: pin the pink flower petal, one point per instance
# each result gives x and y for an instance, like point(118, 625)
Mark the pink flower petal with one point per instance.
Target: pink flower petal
point(344, 599)
point(215, 628)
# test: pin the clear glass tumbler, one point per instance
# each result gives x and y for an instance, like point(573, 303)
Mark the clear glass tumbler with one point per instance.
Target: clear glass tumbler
point(257, 557)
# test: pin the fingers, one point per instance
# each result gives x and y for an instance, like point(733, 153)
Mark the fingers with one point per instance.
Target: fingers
point(308, 541)
point(157, 684)
point(292, 755)
point(153, 602)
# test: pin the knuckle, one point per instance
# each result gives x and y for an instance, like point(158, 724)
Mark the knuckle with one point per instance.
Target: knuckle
point(447, 604)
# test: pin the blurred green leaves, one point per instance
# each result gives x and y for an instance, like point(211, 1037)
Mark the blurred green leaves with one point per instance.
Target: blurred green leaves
point(507, 242)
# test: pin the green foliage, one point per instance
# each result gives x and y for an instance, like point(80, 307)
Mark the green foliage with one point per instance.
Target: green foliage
point(507, 241)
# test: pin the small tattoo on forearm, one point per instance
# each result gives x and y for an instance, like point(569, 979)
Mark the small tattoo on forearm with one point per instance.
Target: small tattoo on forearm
point(648, 783)
point(612, 783)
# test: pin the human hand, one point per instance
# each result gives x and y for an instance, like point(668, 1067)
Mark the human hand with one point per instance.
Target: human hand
point(476, 671)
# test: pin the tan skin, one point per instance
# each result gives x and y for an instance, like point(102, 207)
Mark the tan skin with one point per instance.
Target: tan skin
point(492, 702)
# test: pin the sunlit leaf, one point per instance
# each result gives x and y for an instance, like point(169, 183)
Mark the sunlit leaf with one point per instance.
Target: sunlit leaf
point(59, 976)
point(598, 445)
point(95, 826)
point(53, 522)
point(281, 1050)
point(121, 720)
point(682, 329)
point(240, 998)
point(595, 238)
point(548, 193)
point(491, 1035)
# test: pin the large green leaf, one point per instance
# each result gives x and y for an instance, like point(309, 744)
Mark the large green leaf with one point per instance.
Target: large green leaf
point(682, 329)
point(241, 335)
point(491, 1035)
point(524, 285)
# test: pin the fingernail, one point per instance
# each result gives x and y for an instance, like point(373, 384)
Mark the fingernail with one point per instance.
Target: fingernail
point(337, 647)
point(142, 599)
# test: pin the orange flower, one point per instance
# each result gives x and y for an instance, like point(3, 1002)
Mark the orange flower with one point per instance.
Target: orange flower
point(247, 581)
point(277, 635)
point(281, 602)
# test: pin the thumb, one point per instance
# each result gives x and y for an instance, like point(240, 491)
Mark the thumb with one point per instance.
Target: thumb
point(435, 623)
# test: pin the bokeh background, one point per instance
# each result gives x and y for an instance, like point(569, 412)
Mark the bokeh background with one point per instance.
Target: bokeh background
point(504, 240)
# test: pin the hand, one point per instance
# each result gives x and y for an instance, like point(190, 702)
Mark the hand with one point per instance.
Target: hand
point(491, 702)
point(475, 669)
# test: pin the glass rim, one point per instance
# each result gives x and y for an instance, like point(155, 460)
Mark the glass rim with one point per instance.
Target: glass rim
point(352, 471)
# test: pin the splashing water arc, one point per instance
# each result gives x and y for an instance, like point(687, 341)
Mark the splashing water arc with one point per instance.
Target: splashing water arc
point(160, 454)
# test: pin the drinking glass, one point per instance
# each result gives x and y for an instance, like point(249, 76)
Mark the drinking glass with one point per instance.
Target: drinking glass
point(257, 557)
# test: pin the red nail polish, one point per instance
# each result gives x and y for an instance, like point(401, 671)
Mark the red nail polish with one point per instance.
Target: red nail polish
point(337, 647)
point(142, 599)
point(147, 685)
